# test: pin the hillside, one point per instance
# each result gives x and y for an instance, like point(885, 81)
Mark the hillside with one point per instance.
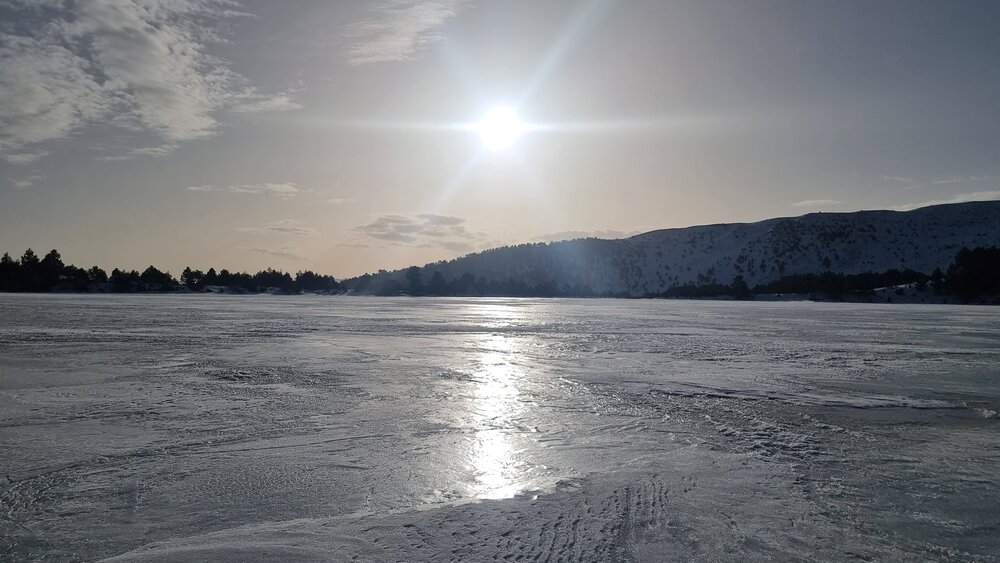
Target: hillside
point(653, 262)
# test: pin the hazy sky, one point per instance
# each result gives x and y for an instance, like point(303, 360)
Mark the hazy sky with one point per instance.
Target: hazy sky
point(333, 135)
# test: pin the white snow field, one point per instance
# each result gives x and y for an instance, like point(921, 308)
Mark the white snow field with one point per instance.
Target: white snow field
point(250, 428)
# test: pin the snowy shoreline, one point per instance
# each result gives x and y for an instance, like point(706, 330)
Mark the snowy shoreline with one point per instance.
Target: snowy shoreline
point(896, 295)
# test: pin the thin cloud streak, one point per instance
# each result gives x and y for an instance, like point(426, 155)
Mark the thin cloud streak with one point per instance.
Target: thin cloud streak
point(953, 180)
point(286, 253)
point(286, 226)
point(24, 157)
point(960, 198)
point(287, 189)
point(161, 150)
point(397, 30)
point(283, 190)
point(22, 184)
point(817, 203)
point(960, 179)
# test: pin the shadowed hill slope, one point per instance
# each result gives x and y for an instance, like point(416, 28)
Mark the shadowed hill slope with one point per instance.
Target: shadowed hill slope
point(653, 262)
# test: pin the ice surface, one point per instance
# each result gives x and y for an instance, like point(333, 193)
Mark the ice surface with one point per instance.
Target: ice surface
point(240, 428)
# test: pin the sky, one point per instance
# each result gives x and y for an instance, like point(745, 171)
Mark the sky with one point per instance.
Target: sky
point(342, 137)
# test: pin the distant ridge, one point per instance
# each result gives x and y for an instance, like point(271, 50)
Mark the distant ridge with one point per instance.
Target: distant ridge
point(651, 263)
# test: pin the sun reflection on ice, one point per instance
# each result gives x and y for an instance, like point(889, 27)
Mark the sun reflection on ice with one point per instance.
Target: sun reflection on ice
point(495, 315)
point(495, 406)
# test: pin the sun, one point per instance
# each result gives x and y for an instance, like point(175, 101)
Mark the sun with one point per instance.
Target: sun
point(500, 128)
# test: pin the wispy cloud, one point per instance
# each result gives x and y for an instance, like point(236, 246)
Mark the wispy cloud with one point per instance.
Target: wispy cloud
point(284, 252)
point(140, 65)
point(396, 30)
point(960, 179)
point(422, 229)
point(340, 201)
point(284, 190)
point(24, 157)
point(817, 203)
point(453, 245)
point(912, 183)
point(951, 180)
point(25, 183)
point(960, 198)
point(286, 226)
point(257, 103)
point(160, 150)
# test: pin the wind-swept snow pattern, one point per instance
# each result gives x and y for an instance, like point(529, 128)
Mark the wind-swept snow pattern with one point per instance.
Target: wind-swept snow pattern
point(221, 428)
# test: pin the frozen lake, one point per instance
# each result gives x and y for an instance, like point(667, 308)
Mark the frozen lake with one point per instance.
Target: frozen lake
point(240, 428)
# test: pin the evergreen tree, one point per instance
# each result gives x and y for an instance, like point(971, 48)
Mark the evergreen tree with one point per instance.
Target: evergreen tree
point(194, 279)
point(50, 270)
point(76, 279)
point(740, 288)
point(437, 285)
point(311, 281)
point(30, 271)
point(937, 280)
point(413, 280)
point(97, 275)
point(465, 285)
point(29, 259)
point(9, 273)
point(975, 273)
point(153, 279)
point(122, 281)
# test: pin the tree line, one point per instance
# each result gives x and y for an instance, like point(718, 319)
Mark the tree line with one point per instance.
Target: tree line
point(413, 283)
point(33, 274)
point(973, 275)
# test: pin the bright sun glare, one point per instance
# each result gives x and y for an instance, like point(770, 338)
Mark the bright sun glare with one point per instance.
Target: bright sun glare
point(500, 128)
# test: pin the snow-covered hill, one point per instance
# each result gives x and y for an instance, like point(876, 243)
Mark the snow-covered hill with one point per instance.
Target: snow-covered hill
point(846, 243)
